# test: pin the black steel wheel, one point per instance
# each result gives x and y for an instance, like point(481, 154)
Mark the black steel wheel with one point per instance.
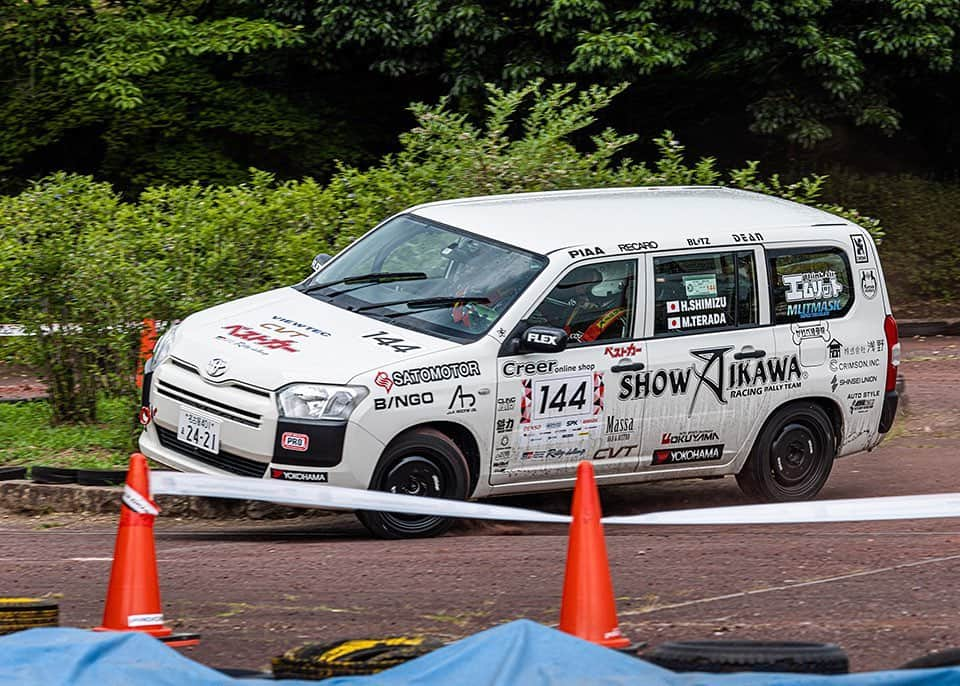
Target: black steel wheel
point(792, 456)
point(423, 462)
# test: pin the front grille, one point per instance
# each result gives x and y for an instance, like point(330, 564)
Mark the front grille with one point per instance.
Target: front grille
point(225, 461)
point(187, 367)
point(196, 400)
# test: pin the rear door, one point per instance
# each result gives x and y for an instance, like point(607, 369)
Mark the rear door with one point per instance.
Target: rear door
point(711, 360)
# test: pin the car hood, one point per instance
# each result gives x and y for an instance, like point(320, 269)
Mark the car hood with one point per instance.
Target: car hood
point(283, 336)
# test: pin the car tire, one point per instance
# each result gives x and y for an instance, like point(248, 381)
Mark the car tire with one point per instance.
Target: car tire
point(948, 657)
point(53, 475)
point(11, 473)
point(422, 462)
point(792, 456)
point(750, 656)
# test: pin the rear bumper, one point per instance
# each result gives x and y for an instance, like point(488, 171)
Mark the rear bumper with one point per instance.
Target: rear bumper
point(890, 402)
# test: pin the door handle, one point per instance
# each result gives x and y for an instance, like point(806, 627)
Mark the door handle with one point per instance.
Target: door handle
point(627, 366)
point(748, 353)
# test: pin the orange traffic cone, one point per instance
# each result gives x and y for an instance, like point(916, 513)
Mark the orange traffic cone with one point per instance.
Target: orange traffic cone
point(148, 339)
point(133, 596)
point(588, 609)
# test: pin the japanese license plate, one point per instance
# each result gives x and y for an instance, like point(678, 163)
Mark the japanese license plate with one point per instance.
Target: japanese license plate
point(199, 430)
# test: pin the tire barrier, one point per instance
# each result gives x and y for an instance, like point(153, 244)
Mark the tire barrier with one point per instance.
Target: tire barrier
point(19, 614)
point(719, 657)
point(350, 657)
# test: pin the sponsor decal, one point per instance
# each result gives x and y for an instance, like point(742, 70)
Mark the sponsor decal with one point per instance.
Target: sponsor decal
point(294, 441)
point(529, 368)
point(462, 403)
point(868, 283)
point(811, 286)
point(612, 452)
point(876, 345)
point(861, 402)
point(585, 252)
point(526, 400)
point(216, 367)
point(382, 379)
point(702, 240)
point(860, 254)
point(506, 404)
point(144, 620)
point(754, 237)
point(704, 453)
point(598, 392)
point(437, 372)
point(293, 475)
point(802, 332)
point(711, 371)
point(504, 441)
point(297, 325)
point(553, 454)
point(253, 336)
point(505, 425)
point(501, 332)
point(618, 351)
point(617, 425)
point(399, 401)
point(391, 341)
point(814, 310)
point(836, 382)
point(688, 437)
point(642, 245)
point(834, 349)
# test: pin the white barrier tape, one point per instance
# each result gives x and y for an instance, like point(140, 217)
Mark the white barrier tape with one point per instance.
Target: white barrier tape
point(939, 505)
point(335, 497)
point(138, 503)
point(934, 506)
point(12, 330)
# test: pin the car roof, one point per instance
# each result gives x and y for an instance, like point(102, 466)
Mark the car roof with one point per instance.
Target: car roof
point(555, 220)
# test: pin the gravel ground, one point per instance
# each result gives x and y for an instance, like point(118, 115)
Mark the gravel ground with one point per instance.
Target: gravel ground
point(884, 591)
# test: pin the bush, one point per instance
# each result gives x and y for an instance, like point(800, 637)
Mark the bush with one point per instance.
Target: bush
point(68, 276)
point(920, 253)
point(179, 249)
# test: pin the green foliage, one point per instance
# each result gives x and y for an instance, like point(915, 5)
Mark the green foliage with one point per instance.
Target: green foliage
point(26, 437)
point(67, 275)
point(920, 253)
point(73, 253)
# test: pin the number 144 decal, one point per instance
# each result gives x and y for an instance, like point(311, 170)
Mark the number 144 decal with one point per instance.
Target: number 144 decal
point(384, 338)
point(578, 395)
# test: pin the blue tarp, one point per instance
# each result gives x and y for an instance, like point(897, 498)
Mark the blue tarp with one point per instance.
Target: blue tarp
point(521, 652)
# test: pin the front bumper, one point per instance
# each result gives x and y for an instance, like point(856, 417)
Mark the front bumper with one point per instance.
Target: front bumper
point(254, 441)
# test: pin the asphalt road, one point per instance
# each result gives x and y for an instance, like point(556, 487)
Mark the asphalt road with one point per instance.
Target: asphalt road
point(886, 592)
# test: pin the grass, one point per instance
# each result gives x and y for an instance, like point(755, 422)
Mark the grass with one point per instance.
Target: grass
point(27, 437)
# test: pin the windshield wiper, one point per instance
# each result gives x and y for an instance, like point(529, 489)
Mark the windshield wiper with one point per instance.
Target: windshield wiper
point(374, 277)
point(426, 303)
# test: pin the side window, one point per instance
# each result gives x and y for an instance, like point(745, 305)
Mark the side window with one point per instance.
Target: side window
point(809, 283)
point(592, 303)
point(704, 292)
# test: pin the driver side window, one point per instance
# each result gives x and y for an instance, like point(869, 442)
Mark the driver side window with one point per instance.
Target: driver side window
point(591, 303)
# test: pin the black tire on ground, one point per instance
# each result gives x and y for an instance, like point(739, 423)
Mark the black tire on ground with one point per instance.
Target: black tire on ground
point(20, 614)
point(792, 456)
point(750, 656)
point(10, 473)
point(421, 462)
point(53, 475)
point(948, 657)
point(101, 477)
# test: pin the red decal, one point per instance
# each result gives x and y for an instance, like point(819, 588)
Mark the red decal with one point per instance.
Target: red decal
point(293, 441)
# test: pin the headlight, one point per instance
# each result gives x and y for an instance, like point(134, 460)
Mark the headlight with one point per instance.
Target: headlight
point(161, 350)
point(319, 401)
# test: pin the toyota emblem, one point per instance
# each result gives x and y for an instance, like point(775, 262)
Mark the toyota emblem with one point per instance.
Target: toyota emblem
point(216, 367)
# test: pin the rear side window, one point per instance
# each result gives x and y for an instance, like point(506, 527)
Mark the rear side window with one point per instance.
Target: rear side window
point(809, 283)
point(704, 292)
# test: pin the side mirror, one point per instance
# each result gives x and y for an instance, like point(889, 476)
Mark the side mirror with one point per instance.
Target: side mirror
point(320, 260)
point(543, 339)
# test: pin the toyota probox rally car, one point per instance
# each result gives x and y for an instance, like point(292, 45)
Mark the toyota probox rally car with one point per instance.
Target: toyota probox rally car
point(485, 346)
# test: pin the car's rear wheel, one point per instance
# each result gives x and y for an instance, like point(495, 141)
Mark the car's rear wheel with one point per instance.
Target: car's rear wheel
point(792, 457)
point(422, 462)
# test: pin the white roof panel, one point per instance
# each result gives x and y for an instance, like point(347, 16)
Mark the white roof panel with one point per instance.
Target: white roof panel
point(544, 222)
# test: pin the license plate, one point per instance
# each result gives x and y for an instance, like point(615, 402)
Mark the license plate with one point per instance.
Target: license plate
point(199, 430)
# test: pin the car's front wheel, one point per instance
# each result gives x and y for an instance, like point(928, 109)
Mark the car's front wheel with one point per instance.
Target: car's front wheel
point(422, 462)
point(792, 457)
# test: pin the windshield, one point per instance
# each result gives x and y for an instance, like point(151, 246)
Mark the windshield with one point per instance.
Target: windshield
point(427, 277)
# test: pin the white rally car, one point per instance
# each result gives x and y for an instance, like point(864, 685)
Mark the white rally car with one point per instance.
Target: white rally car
point(485, 346)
